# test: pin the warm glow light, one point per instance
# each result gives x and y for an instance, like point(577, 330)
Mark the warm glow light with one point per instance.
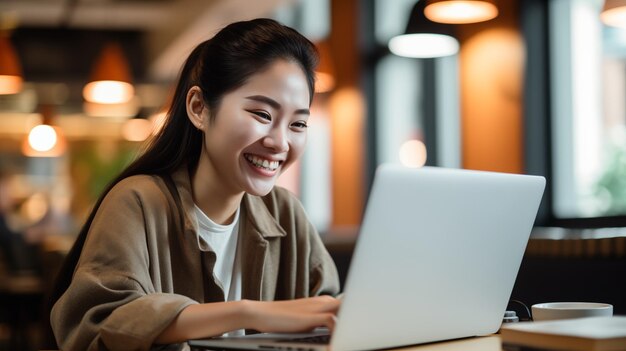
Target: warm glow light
point(34, 208)
point(136, 129)
point(110, 81)
point(42, 138)
point(614, 13)
point(460, 11)
point(347, 111)
point(324, 82)
point(121, 110)
point(10, 68)
point(108, 92)
point(44, 141)
point(325, 72)
point(10, 84)
point(158, 121)
point(413, 153)
point(423, 45)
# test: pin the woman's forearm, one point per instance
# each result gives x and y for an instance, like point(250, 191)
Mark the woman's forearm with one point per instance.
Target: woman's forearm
point(213, 319)
point(205, 320)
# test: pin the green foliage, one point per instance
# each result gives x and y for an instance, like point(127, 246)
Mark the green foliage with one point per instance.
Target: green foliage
point(98, 166)
point(613, 182)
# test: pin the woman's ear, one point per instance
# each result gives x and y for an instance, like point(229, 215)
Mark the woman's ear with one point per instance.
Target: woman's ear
point(195, 107)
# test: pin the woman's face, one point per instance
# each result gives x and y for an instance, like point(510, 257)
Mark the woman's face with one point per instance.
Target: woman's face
point(259, 129)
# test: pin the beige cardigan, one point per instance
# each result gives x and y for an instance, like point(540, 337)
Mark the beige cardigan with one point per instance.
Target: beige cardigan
point(138, 270)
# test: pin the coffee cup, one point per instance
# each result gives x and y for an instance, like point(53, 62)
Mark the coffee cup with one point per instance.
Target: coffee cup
point(568, 310)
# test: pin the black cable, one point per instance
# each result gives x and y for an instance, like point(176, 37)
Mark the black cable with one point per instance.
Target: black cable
point(530, 316)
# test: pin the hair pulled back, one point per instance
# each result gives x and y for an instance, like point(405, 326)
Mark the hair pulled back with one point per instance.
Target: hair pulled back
point(218, 66)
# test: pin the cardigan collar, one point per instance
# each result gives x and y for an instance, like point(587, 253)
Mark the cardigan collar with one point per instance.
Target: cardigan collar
point(256, 211)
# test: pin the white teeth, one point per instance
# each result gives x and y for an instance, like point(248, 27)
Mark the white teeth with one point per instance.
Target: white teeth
point(261, 163)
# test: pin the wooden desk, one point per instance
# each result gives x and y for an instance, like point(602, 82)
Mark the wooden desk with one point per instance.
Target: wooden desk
point(484, 343)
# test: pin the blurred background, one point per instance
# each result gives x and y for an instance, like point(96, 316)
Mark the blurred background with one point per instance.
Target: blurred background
point(520, 86)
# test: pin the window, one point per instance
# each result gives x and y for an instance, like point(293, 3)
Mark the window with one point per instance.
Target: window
point(588, 108)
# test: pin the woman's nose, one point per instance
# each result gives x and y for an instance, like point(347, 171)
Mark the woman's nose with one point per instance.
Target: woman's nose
point(276, 140)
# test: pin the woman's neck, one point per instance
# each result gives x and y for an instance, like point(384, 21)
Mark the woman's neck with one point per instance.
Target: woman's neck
point(211, 196)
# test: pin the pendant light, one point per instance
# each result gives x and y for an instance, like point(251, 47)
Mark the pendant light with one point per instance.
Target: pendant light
point(424, 38)
point(614, 13)
point(10, 70)
point(45, 140)
point(460, 11)
point(111, 78)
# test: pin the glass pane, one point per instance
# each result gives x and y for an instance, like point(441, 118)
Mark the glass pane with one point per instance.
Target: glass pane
point(588, 71)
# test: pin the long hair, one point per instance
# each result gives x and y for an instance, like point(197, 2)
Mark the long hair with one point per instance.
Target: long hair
point(218, 66)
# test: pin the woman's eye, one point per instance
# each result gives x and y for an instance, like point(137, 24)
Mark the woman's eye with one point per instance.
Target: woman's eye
point(263, 115)
point(300, 125)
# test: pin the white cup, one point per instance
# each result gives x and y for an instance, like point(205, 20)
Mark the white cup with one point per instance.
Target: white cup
point(568, 310)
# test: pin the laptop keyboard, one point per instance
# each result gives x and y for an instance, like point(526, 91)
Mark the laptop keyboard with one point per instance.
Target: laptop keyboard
point(318, 339)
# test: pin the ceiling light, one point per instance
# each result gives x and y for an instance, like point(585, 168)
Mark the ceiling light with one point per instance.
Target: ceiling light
point(111, 79)
point(42, 138)
point(614, 13)
point(460, 11)
point(126, 109)
point(424, 38)
point(45, 140)
point(423, 45)
point(10, 71)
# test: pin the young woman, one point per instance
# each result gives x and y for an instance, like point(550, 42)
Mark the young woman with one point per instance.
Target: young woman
point(193, 239)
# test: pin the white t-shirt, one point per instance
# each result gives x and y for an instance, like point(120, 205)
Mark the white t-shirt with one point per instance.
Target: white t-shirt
point(222, 239)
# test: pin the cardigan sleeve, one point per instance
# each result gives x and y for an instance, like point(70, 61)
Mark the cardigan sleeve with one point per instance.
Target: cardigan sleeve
point(111, 303)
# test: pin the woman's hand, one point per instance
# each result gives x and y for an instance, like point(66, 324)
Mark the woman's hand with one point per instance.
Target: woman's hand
point(213, 319)
point(292, 315)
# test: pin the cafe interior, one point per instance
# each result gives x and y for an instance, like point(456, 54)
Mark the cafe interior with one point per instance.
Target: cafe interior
point(517, 86)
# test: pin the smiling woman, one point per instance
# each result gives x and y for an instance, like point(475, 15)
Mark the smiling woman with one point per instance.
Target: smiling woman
point(194, 239)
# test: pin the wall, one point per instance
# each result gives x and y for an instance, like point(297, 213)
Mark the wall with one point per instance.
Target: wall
point(491, 76)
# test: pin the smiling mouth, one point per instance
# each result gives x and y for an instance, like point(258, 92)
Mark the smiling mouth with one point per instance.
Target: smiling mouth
point(262, 163)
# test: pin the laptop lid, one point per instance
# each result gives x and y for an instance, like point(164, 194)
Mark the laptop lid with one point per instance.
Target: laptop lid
point(436, 258)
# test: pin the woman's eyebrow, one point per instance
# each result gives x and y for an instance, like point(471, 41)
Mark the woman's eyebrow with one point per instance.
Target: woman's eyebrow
point(274, 104)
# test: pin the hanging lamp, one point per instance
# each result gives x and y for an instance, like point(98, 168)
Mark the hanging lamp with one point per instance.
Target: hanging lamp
point(460, 11)
point(424, 38)
point(10, 70)
point(45, 139)
point(111, 78)
point(614, 13)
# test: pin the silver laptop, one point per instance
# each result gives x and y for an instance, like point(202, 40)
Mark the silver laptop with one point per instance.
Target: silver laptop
point(436, 259)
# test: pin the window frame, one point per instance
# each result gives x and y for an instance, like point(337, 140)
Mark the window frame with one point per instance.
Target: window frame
point(538, 117)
